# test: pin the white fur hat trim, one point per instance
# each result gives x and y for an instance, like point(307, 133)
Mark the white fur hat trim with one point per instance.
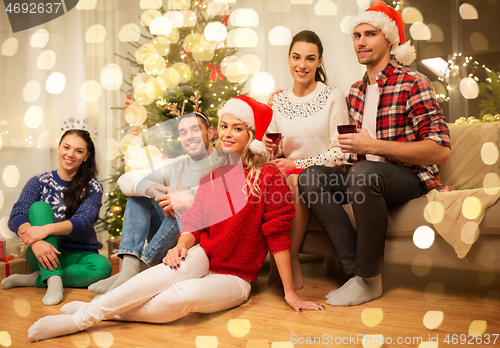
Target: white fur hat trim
point(239, 109)
point(257, 146)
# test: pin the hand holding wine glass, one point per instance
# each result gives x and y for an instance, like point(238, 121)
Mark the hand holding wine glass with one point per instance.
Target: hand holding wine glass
point(345, 129)
point(272, 142)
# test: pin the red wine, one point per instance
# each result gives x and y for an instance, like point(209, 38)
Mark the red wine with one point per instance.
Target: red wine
point(274, 136)
point(346, 128)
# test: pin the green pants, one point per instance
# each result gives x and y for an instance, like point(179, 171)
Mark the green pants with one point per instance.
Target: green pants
point(78, 269)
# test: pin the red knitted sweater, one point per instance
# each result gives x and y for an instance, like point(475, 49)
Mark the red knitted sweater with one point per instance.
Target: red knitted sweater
point(236, 232)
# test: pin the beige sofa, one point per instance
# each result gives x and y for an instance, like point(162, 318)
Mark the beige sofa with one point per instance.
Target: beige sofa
point(464, 170)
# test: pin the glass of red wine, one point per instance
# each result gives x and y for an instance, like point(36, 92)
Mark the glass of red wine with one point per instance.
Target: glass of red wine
point(275, 138)
point(344, 129)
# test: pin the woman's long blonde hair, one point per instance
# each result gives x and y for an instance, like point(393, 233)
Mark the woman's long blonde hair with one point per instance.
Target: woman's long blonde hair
point(251, 161)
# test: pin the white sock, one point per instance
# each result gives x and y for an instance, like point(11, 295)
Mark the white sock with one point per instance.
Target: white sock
point(103, 285)
point(130, 267)
point(52, 326)
point(16, 280)
point(72, 307)
point(359, 291)
point(339, 290)
point(55, 291)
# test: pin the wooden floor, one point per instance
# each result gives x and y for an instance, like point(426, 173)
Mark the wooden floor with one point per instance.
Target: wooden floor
point(470, 302)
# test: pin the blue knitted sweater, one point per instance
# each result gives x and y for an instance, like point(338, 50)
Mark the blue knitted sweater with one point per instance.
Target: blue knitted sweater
point(49, 187)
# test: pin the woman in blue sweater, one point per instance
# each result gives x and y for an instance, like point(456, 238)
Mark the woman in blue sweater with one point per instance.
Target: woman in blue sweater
point(54, 216)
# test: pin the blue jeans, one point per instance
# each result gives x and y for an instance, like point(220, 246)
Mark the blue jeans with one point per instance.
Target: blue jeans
point(145, 220)
point(372, 188)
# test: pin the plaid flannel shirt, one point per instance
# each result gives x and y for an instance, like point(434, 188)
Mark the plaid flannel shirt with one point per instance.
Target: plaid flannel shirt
point(407, 111)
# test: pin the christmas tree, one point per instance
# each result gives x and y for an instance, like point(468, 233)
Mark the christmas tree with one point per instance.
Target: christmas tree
point(184, 60)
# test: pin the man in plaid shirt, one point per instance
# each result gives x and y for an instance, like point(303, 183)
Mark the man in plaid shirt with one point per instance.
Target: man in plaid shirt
point(401, 136)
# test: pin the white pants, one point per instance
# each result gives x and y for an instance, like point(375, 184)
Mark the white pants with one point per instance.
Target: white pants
point(161, 294)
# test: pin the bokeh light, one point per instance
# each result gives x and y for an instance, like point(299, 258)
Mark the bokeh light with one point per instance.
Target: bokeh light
point(420, 31)
point(86, 5)
point(130, 140)
point(189, 17)
point(301, 2)
point(46, 60)
point(1, 200)
point(236, 72)
point(140, 79)
point(145, 93)
point(371, 317)
point(90, 91)
point(111, 77)
point(491, 183)
point(151, 4)
point(111, 149)
point(489, 153)
point(55, 83)
point(5, 232)
point(470, 232)
point(9, 46)
point(1, 141)
point(437, 34)
point(440, 90)
point(135, 114)
point(216, 9)
point(244, 17)
point(467, 11)
point(5, 339)
point(82, 340)
point(486, 278)
point(191, 40)
point(471, 208)
point(242, 37)
point(46, 138)
point(325, 8)
point(252, 62)
point(433, 319)
point(412, 15)
point(363, 4)
point(280, 36)
point(161, 45)
point(160, 26)
point(434, 212)
point(148, 16)
point(40, 38)
point(421, 265)
point(144, 51)
point(372, 341)
point(154, 64)
point(129, 33)
point(33, 117)
point(170, 77)
point(215, 31)
point(31, 91)
point(10, 176)
point(263, 83)
point(434, 291)
point(22, 307)
point(469, 88)
point(479, 42)
point(103, 339)
point(206, 342)
point(478, 327)
point(183, 70)
point(423, 237)
point(96, 34)
point(346, 24)
point(257, 343)
point(203, 51)
point(87, 109)
point(175, 18)
point(239, 327)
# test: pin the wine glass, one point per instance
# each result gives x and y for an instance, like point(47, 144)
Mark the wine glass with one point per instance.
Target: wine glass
point(275, 138)
point(344, 129)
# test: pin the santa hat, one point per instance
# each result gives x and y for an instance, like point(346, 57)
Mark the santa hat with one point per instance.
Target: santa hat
point(392, 25)
point(254, 114)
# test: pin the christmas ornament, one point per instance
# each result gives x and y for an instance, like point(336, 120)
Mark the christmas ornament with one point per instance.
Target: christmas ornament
point(116, 210)
point(216, 72)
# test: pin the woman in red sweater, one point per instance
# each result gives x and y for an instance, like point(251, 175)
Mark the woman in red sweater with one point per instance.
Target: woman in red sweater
point(241, 211)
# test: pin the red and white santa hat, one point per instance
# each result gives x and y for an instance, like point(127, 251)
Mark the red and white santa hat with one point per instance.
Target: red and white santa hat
point(254, 114)
point(392, 25)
